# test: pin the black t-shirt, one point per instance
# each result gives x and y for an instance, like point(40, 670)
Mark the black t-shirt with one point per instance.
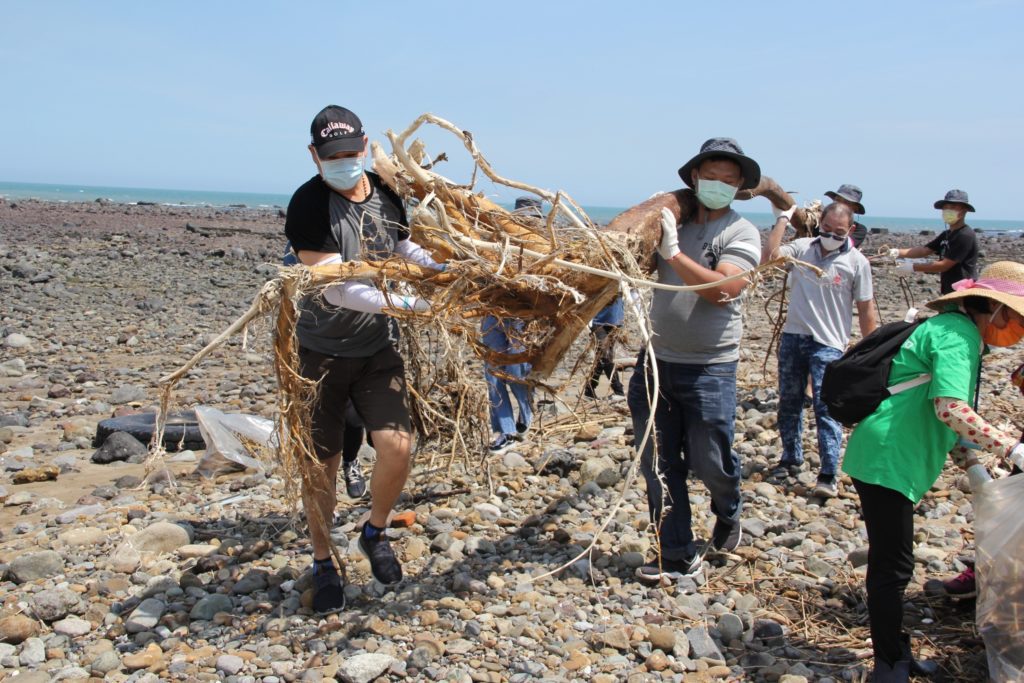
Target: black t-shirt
point(320, 219)
point(957, 245)
point(308, 223)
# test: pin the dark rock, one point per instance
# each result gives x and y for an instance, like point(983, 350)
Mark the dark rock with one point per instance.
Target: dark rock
point(119, 447)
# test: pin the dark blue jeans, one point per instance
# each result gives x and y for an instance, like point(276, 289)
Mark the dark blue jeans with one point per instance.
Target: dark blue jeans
point(693, 423)
point(799, 355)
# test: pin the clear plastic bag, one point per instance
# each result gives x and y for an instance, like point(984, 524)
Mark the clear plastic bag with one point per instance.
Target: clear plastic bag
point(224, 450)
point(999, 539)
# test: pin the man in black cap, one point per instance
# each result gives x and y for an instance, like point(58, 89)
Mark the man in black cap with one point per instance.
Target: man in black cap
point(956, 246)
point(696, 344)
point(850, 196)
point(345, 213)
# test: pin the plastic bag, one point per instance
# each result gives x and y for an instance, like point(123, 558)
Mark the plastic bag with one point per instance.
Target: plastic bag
point(224, 451)
point(999, 539)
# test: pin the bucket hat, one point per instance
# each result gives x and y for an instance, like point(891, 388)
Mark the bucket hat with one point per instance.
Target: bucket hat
point(955, 197)
point(850, 193)
point(725, 148)
point(1002, 281)
point(528, 206)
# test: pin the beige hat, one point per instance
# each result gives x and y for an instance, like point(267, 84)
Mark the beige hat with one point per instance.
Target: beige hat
point(1002, 281)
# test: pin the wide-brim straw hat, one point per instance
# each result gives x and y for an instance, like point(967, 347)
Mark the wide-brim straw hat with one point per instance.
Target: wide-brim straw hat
point(1002, 281)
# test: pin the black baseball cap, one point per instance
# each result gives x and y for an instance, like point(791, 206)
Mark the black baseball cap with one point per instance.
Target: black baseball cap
point(336, 129)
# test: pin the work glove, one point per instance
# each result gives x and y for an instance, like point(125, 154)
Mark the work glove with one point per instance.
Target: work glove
point(784, 213)
point(905, 268)
point(1017, 456)
point(412, 303)
point(894, 253)
point(656, 194)
point(669, 246)
point(977, 475)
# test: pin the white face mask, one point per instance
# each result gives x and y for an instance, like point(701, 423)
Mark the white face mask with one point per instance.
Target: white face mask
point(830, 242)
point(950, 216)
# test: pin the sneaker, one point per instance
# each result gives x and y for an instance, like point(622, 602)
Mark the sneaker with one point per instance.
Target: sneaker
point(963, 585)
point(501, 444)
point(669, 571)
point(826, 487)
point(521, 428)
point(383, 563)
point(589, 392)
point(784, 471)
point(355, 482)
point(328, 593)
point(726, 536)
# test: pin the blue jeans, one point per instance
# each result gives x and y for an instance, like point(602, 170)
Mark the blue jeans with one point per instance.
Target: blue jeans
point(502, 336)
point(799, 355)
point(693, 424)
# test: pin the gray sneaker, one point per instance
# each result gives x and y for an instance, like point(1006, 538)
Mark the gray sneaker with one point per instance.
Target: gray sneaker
point(826, 487)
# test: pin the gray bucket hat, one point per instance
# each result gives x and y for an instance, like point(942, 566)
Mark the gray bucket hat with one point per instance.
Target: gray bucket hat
point(528, 206)
point(955, 197)
point(850, 193)
point(725, 148)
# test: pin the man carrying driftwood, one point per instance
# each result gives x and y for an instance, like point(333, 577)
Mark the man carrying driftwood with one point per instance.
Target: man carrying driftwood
point(696, 342)
point(345, 213)
point(817, 331)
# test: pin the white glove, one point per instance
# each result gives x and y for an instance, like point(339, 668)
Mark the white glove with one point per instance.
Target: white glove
point(656, 194)
point(669, 246)
point(894, 253)
point(905, 268)
point(413, 303)
point(784, 213)
point(977, 475)
point(1017, 455)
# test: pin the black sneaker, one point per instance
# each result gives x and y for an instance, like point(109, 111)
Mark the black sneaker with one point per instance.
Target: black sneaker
point(328, 593)
point(784, 471)
point(521, 428)
point(669, 571)
point(501, 444)
point(355, 482)
point(383, 563)
point(726, 536)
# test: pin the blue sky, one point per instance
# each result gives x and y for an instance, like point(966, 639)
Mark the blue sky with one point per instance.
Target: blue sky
point(602, 99)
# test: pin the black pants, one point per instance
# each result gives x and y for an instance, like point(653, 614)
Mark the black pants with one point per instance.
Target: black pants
point(889, 518)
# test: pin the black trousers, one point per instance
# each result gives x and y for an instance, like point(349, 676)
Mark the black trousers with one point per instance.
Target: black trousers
point(889, 518)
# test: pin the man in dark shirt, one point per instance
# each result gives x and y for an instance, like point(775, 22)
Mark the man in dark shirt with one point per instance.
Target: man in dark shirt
point(956, 246)
point(345, 213)
point(849, 196)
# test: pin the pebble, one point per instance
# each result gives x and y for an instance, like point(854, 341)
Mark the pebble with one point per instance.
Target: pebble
point(34, 566)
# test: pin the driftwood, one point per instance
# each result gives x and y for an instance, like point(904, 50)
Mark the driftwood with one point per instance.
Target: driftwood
point(642, 223)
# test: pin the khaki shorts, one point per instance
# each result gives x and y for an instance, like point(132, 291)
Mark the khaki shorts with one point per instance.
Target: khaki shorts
point(375, 385)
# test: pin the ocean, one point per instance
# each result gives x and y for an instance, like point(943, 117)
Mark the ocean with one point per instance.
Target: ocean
point(599, 214)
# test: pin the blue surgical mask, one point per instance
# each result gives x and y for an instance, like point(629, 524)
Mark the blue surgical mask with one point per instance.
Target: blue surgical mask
point(715, 194)
point(342, 174)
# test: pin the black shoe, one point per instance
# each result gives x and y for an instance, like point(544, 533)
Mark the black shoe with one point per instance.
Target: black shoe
point(383, 563)
point(521, 428)
point(670, 570)
point(589, 392)
point(328, 593)
point(895, 673)
point(501, 444)
point(785, 470)
point(618, 390)
point(355, 482)
point(918, 667)
point(726, 536)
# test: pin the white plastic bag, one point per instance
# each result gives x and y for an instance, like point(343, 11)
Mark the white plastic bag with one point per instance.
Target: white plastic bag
point(224, 452)
point(999, 539)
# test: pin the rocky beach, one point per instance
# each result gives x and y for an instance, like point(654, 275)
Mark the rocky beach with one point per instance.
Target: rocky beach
point(119, 567)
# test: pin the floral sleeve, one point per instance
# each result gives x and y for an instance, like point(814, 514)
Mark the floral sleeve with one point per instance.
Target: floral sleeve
point(962, 419)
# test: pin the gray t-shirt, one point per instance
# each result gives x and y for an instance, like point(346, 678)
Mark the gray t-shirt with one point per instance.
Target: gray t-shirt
point(687, 327)
point(823, 307)
point(368, 230)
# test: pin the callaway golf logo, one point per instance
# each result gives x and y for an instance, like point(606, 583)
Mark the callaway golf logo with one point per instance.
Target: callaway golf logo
point(341, 126)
